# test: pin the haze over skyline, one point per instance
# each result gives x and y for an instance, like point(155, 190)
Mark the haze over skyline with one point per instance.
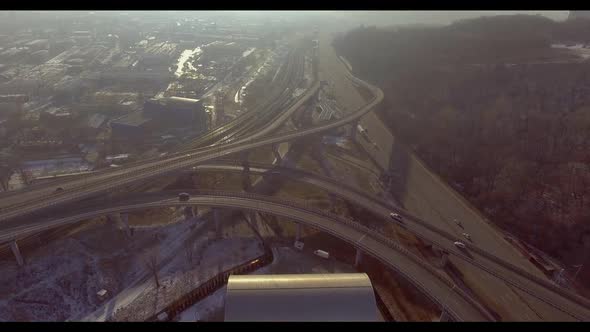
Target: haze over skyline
point(389, 17)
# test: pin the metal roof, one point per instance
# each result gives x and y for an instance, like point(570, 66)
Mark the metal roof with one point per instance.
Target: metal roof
point(134, 119)
point(96, 120)
point(300, 297)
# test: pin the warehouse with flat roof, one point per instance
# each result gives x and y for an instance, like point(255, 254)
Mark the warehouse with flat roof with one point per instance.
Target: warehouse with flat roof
point(301, 297)
point(134, 125)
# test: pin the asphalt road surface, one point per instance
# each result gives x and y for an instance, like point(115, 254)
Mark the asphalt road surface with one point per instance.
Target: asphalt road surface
point(458, 304)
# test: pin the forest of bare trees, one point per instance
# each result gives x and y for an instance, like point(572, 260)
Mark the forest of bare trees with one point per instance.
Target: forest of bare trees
point(498, 113)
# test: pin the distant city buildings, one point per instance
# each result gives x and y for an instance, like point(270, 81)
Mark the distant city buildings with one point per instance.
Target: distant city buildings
point(108, 85)
point(133, 126)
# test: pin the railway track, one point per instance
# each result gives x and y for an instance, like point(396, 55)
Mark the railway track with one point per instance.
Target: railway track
point(253, 122)
point(279, 98)
point(94, 184)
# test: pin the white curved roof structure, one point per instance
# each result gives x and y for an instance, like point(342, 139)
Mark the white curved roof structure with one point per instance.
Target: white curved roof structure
point(300, 297)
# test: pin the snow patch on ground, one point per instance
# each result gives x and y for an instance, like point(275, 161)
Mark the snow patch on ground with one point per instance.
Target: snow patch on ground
point(209, 309)
point(60, 279)
point(179, 276)
point(54, 287)
point(286, 260)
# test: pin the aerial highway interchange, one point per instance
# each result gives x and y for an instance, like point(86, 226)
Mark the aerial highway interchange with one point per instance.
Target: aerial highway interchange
point(19, 214)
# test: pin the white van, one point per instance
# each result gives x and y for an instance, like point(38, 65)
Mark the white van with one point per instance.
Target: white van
point(322, 254)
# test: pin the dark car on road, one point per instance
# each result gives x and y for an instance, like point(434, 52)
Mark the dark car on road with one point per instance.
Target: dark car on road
point(183, 197)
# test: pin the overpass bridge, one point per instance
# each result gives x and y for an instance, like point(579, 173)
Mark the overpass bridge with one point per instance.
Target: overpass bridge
point(566, 304)
point(456, 303)
point(98, 183)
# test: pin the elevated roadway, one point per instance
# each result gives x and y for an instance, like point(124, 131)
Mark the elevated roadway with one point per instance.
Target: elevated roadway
point(267, 118)
point(560, 304)
point(97, 183)
point(422, 192)
point(34, 201)
point(437, 287)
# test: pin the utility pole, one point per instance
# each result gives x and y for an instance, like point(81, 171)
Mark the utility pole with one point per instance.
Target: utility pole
point(444, 317)
point(578, 270)
point(559, 277)
point(219, 111)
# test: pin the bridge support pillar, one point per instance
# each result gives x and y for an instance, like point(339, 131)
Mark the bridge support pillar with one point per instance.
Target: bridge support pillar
point(251, 215)
point(125, 220)
point(217, 221)
point(358, 258)
point(444, 317)
point(120, 219)
point(244, 157)
point(16, 252)
point(353, 130)
point(298, 233)
point(190, 212)
point(275, 151)
point(444, 260)
point(246, 183)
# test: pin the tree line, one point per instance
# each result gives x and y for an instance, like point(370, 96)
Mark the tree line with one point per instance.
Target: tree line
point(496, 111)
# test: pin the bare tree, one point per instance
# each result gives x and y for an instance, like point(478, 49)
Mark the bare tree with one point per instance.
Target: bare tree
point(492, 169)
point(189, 251)
point(151, 259)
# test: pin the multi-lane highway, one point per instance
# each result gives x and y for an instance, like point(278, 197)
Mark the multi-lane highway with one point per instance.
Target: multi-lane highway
point(566, 305)
point(421, 191)
point(555, 303)
point(268, 116)
point(262, 120)
point(94, 184)
point(457, 303)
point(272, 102)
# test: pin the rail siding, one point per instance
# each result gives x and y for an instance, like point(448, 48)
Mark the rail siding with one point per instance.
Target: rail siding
point(210, 286)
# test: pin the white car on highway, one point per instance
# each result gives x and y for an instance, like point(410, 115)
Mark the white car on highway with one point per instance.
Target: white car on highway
point(460, 245)
point(396, 217)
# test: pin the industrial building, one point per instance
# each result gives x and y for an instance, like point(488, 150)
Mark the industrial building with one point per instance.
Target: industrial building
point(133, 126)
point(177, 112)
point(158, 56)
point(56, 167)
point(301, 297)
point(217, 50)
point(58, 116)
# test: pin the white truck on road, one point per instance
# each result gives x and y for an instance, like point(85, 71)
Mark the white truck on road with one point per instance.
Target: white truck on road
point(322, 254)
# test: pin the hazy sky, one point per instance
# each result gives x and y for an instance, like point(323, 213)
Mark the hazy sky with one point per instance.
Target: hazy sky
point(389, 17)
point(422, 17)
point(344, 18)
point(445, 17)
point(408, 17)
